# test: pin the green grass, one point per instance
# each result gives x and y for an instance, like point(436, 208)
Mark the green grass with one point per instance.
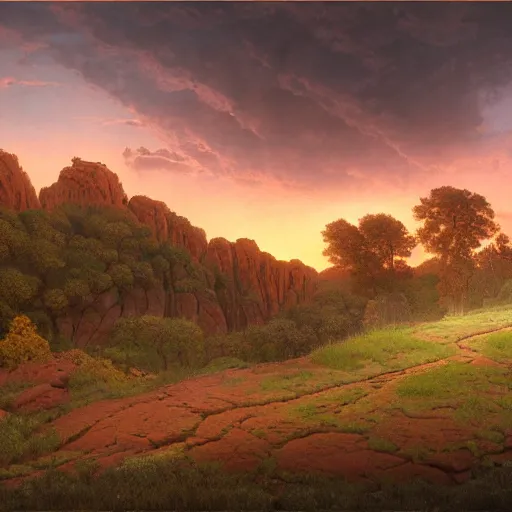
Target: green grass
point(452, 380)
point(496, 346)
point(290, 382)
point(335, 398)
point(390, 349)
point(453, 328)
point(462, 386)
point(21, 438)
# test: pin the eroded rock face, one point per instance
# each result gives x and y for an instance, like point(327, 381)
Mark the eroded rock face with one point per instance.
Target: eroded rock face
point(167, 226)
point(240, 285)
point(85, 184)
point(253, 285)
point(16, 190)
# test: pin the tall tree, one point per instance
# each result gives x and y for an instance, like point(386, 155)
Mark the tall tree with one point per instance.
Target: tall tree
point(387, 237)
point(455, 222)
point(371, 252)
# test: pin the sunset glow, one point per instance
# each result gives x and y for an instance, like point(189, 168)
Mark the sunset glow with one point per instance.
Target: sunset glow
point(265, 121)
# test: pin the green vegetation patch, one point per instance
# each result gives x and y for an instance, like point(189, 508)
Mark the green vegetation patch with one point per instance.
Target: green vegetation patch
point(453, 328)
point(300, 383)
point(382, 445)
point(389, 349)
point(290, 382)
point(496, 346)
point(179, 484)
point(325, 410)
point(464, 387)
point(21, 438)
point(10, 391)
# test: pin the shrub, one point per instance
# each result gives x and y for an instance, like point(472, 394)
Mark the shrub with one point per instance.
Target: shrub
point(154, 343)
point(23, 344)
point(277, 340)
point(92, 371)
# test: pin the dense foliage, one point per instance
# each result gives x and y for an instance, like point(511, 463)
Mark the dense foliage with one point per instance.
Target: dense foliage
point(455, 223)
point(54, 263)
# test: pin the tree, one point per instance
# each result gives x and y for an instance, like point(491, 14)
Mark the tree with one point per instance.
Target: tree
point(493, 269)
point(455, 222)
point(387, 237)
point(372, 253)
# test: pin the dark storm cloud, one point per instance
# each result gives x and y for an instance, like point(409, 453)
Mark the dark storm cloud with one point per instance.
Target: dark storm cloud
point(308, 93)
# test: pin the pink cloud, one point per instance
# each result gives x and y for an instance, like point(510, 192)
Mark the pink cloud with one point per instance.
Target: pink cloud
point(10, 82)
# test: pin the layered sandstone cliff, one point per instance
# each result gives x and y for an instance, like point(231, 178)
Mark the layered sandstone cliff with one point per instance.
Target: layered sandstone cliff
point(226, 286)
point(16, 190)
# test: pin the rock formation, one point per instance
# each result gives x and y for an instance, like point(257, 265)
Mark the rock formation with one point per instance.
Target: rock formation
point(166, 226)
point(84, 184)
point(256, 286)
point(226, 286)
point(16, 190)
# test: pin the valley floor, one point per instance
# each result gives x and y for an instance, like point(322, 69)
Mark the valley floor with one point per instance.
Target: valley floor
point(430, 402)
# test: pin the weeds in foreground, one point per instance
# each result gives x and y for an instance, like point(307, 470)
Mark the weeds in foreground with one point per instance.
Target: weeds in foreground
point(20, 438)
point(9, 392)
point(177, 484)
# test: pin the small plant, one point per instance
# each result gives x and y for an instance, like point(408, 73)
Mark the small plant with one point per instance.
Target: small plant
point(382, 445)
point(23, 344)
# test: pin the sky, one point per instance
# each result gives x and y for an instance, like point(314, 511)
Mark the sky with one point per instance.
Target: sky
point(265, 120)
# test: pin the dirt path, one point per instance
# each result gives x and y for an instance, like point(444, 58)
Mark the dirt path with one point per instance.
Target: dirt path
point(297, 415)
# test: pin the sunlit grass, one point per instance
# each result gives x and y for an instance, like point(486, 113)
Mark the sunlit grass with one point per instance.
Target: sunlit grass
point(453, 328)
point(496, 346)
point(391, 349)
point(466, 388)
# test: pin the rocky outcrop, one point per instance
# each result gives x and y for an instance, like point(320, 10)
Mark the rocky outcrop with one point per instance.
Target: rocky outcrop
point(252, 285)
point(166, 226)
point(226, 286)
point(84, 184)
point(16, 190)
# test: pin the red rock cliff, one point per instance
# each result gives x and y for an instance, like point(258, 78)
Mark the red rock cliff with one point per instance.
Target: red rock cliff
point(167, 226)
point(242, 285)
point(16, 190)
point(84, 183)
point(257, 286)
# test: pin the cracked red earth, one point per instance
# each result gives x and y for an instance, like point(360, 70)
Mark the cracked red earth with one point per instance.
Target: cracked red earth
point(242, 418)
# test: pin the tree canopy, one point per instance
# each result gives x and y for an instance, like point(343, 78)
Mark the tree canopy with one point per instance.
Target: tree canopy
point(371, 251)
point(455, 222)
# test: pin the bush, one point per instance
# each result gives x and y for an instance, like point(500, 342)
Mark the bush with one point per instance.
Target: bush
point(277, 340)
point(154, 343)
point(23, 344)
point(92, 371)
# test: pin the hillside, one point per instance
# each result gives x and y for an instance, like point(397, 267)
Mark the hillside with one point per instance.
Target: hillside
point(430, 401)
point(90, 256)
